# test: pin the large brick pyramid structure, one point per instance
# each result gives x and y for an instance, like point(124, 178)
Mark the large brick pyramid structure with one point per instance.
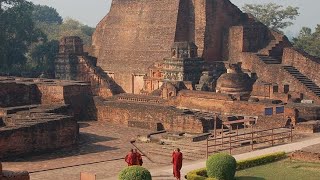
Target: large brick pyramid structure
point(136, 33)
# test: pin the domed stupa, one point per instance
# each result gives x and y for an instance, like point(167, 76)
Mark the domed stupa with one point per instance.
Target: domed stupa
point(234, 82)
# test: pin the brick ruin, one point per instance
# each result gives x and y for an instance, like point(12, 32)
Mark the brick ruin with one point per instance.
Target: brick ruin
point(159, 64)
point(40, 115)
point(175, 65)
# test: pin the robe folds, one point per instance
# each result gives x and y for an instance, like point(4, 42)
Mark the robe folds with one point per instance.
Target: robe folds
point(177, 164)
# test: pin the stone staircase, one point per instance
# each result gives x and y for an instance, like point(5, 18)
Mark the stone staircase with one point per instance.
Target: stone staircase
point(269, 59)
point(303, 79)
point(271, 48)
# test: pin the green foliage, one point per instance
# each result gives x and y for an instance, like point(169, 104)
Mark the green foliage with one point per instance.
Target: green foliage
point(260, 160)
point(284, 169)
point(221, 166)
point(29, 35)
point(43, 55)
point(273, 15)
point(46, 14)
point(309, 41)
point(200, 174)
point(69, 27)
point(17, 32)
point(135, 173)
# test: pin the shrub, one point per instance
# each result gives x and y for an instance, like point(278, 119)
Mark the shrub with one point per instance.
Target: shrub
point(199, 174)
point(221, 166)
point(260, 160)
point(135, 173)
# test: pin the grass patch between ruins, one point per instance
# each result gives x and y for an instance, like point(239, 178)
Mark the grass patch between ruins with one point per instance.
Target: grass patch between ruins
point(282, 170)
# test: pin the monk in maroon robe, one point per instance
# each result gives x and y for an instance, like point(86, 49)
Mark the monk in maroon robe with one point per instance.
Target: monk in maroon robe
point(177, 163)
point(139, 157)
point(131, 158)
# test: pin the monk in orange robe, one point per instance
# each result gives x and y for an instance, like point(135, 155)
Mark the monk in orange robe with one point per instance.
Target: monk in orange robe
point(177, 163)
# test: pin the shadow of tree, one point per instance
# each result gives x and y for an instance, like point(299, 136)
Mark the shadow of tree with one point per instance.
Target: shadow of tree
point(249, 178)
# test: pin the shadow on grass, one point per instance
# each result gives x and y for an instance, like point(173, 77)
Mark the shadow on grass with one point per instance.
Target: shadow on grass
point(249, 178)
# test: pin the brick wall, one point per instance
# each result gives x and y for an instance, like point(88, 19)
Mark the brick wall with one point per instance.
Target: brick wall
point(219, 104)
point(276, 74)
point(306, 64)
point(16, 94)
point(38, 137)
point(148, 115)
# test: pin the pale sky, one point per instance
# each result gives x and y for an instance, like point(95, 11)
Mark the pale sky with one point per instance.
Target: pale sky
point(90, 12)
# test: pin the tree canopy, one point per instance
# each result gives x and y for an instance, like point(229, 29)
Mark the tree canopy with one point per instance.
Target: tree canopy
point(273, 15)
point(17, 32)
point(46, 14)
point(309, 41)
point(29, 36)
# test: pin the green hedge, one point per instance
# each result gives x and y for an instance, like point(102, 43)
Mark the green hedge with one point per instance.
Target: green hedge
point(201, 174)
point(260, 160)
point(134, 173)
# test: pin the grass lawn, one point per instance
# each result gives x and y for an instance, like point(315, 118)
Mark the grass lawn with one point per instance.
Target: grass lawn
point(282, 170)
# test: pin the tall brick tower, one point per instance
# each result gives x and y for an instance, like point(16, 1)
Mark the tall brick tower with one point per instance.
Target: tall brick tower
point(66, 63)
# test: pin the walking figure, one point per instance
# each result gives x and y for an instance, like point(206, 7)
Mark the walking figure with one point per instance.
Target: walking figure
point(177, 163)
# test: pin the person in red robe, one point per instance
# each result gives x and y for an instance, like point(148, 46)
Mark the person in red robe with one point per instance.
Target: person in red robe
point(177, 163)
point(139, 157)
point(131, 158)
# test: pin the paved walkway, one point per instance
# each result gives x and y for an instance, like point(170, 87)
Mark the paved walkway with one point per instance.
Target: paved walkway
point(165, 173)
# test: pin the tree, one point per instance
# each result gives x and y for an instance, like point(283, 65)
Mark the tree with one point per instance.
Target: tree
point(46, 14)
point(43, 55)
point(309, 41)
point(71, 27)
point(273, 15)
point(17, 32)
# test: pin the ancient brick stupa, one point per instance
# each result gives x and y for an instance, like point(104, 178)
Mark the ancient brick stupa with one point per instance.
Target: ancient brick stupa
point(234, 82)
point(135, 34)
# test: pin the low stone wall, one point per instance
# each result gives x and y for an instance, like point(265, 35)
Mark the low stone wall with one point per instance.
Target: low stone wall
point(46, 132)
point(149, 116)
point(308, 127)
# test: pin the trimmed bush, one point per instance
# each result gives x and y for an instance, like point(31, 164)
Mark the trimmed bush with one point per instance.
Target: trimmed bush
point(135, 173)
point(199, 174)
point(221, 166)
point(260, 160)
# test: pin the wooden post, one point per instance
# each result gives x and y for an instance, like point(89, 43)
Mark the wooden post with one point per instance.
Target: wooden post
point(230, 145)
point(207, 153)
point(222, 136)
point(215, 133)
point(252, 137)
point(272, 137)
point(291, 138)
point(237, 131)
point(244, 131)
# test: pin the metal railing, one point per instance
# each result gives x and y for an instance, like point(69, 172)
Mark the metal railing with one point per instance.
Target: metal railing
point(231, 142)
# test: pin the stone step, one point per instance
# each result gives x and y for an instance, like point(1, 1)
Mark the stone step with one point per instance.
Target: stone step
point(303, 79)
